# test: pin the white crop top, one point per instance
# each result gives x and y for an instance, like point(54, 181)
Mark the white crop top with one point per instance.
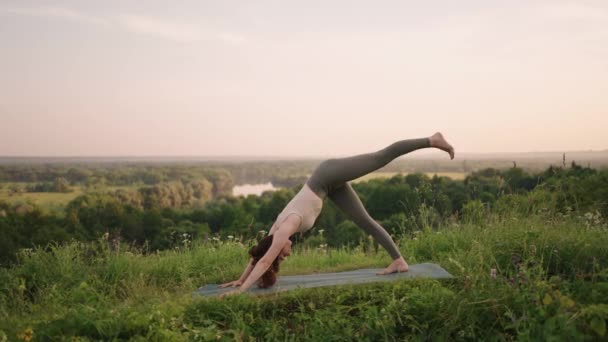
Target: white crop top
point(306, 204)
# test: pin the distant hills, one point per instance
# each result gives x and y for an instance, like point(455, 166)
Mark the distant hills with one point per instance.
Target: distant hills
point(525, 159)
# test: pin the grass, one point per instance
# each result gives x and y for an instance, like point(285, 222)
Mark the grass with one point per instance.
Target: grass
point(43, 199)
point(49, 200)
point(551, 284)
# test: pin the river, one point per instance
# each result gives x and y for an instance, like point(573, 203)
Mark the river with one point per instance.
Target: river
point(252, 189)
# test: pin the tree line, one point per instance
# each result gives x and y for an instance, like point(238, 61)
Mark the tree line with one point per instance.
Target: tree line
point(280, 173)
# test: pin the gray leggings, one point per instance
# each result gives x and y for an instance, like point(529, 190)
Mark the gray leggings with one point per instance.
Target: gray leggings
point(331, 176)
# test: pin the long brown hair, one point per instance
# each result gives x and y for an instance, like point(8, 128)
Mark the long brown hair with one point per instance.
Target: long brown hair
point(257, 252)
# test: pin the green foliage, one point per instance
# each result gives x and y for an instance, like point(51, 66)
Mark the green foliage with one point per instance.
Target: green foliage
point(474, 212)
point(60, 184)
point(346, 233)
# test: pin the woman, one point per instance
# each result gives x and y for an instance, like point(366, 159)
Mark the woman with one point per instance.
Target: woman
point(329, 179)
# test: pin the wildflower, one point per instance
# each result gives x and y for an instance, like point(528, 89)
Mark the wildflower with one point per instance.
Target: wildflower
point(493, 272)
point(230, 237)
point(105, 236)
point(27, 251)
point(26, 335)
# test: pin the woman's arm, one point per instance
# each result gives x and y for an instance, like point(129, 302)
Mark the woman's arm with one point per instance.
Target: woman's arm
point(288, 227)
point(244, 276)
point(247, 270)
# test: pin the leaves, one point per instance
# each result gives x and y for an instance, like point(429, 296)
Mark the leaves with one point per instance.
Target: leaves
point(598, 325)
point(547, 299)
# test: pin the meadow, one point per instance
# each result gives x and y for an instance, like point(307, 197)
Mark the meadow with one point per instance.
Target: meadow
point(54, 201)
point(540, 276)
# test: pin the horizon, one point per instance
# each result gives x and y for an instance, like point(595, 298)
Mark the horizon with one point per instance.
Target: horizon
point(413, 155)
point(300, 80)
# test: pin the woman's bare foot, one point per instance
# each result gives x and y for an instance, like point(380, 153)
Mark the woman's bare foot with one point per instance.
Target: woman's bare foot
point(437, 140)
point(398, 265)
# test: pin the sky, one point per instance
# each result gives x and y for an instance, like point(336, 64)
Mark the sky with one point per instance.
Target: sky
point(300, 78)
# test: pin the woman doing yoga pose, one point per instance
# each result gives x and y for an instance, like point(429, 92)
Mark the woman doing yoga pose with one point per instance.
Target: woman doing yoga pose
point(329, 179)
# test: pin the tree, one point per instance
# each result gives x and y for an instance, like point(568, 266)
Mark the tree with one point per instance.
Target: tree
point(15, 189)
point(202, 190)
point(61, 185)
point(347, 233)
point(152, 222)
point(78, 175)
point(385, 200)
point(271, 207)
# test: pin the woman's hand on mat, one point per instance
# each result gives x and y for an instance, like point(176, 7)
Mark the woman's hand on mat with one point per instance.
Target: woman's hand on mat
point(230, 293)
point(232, 284)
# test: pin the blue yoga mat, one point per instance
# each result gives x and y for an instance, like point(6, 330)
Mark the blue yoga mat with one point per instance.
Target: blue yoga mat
point(362, 276)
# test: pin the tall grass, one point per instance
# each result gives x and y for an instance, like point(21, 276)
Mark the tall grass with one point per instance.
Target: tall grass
point(539, 277)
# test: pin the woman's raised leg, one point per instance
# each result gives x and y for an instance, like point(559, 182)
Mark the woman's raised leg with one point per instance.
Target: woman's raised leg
point(334, 172)
point(331, 177)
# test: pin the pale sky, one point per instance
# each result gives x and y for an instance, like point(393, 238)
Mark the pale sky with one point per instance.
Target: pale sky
point(300, 78)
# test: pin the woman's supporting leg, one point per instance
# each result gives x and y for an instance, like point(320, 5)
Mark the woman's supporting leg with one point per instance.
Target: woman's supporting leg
point(332, 173)
point(346, 199)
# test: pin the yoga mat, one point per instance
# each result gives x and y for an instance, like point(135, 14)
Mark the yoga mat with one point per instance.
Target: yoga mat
point(362, 276)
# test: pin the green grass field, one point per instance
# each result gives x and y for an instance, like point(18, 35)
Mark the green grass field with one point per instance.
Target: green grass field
point(48, 200)
point(43, 199)
point(542, 277)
